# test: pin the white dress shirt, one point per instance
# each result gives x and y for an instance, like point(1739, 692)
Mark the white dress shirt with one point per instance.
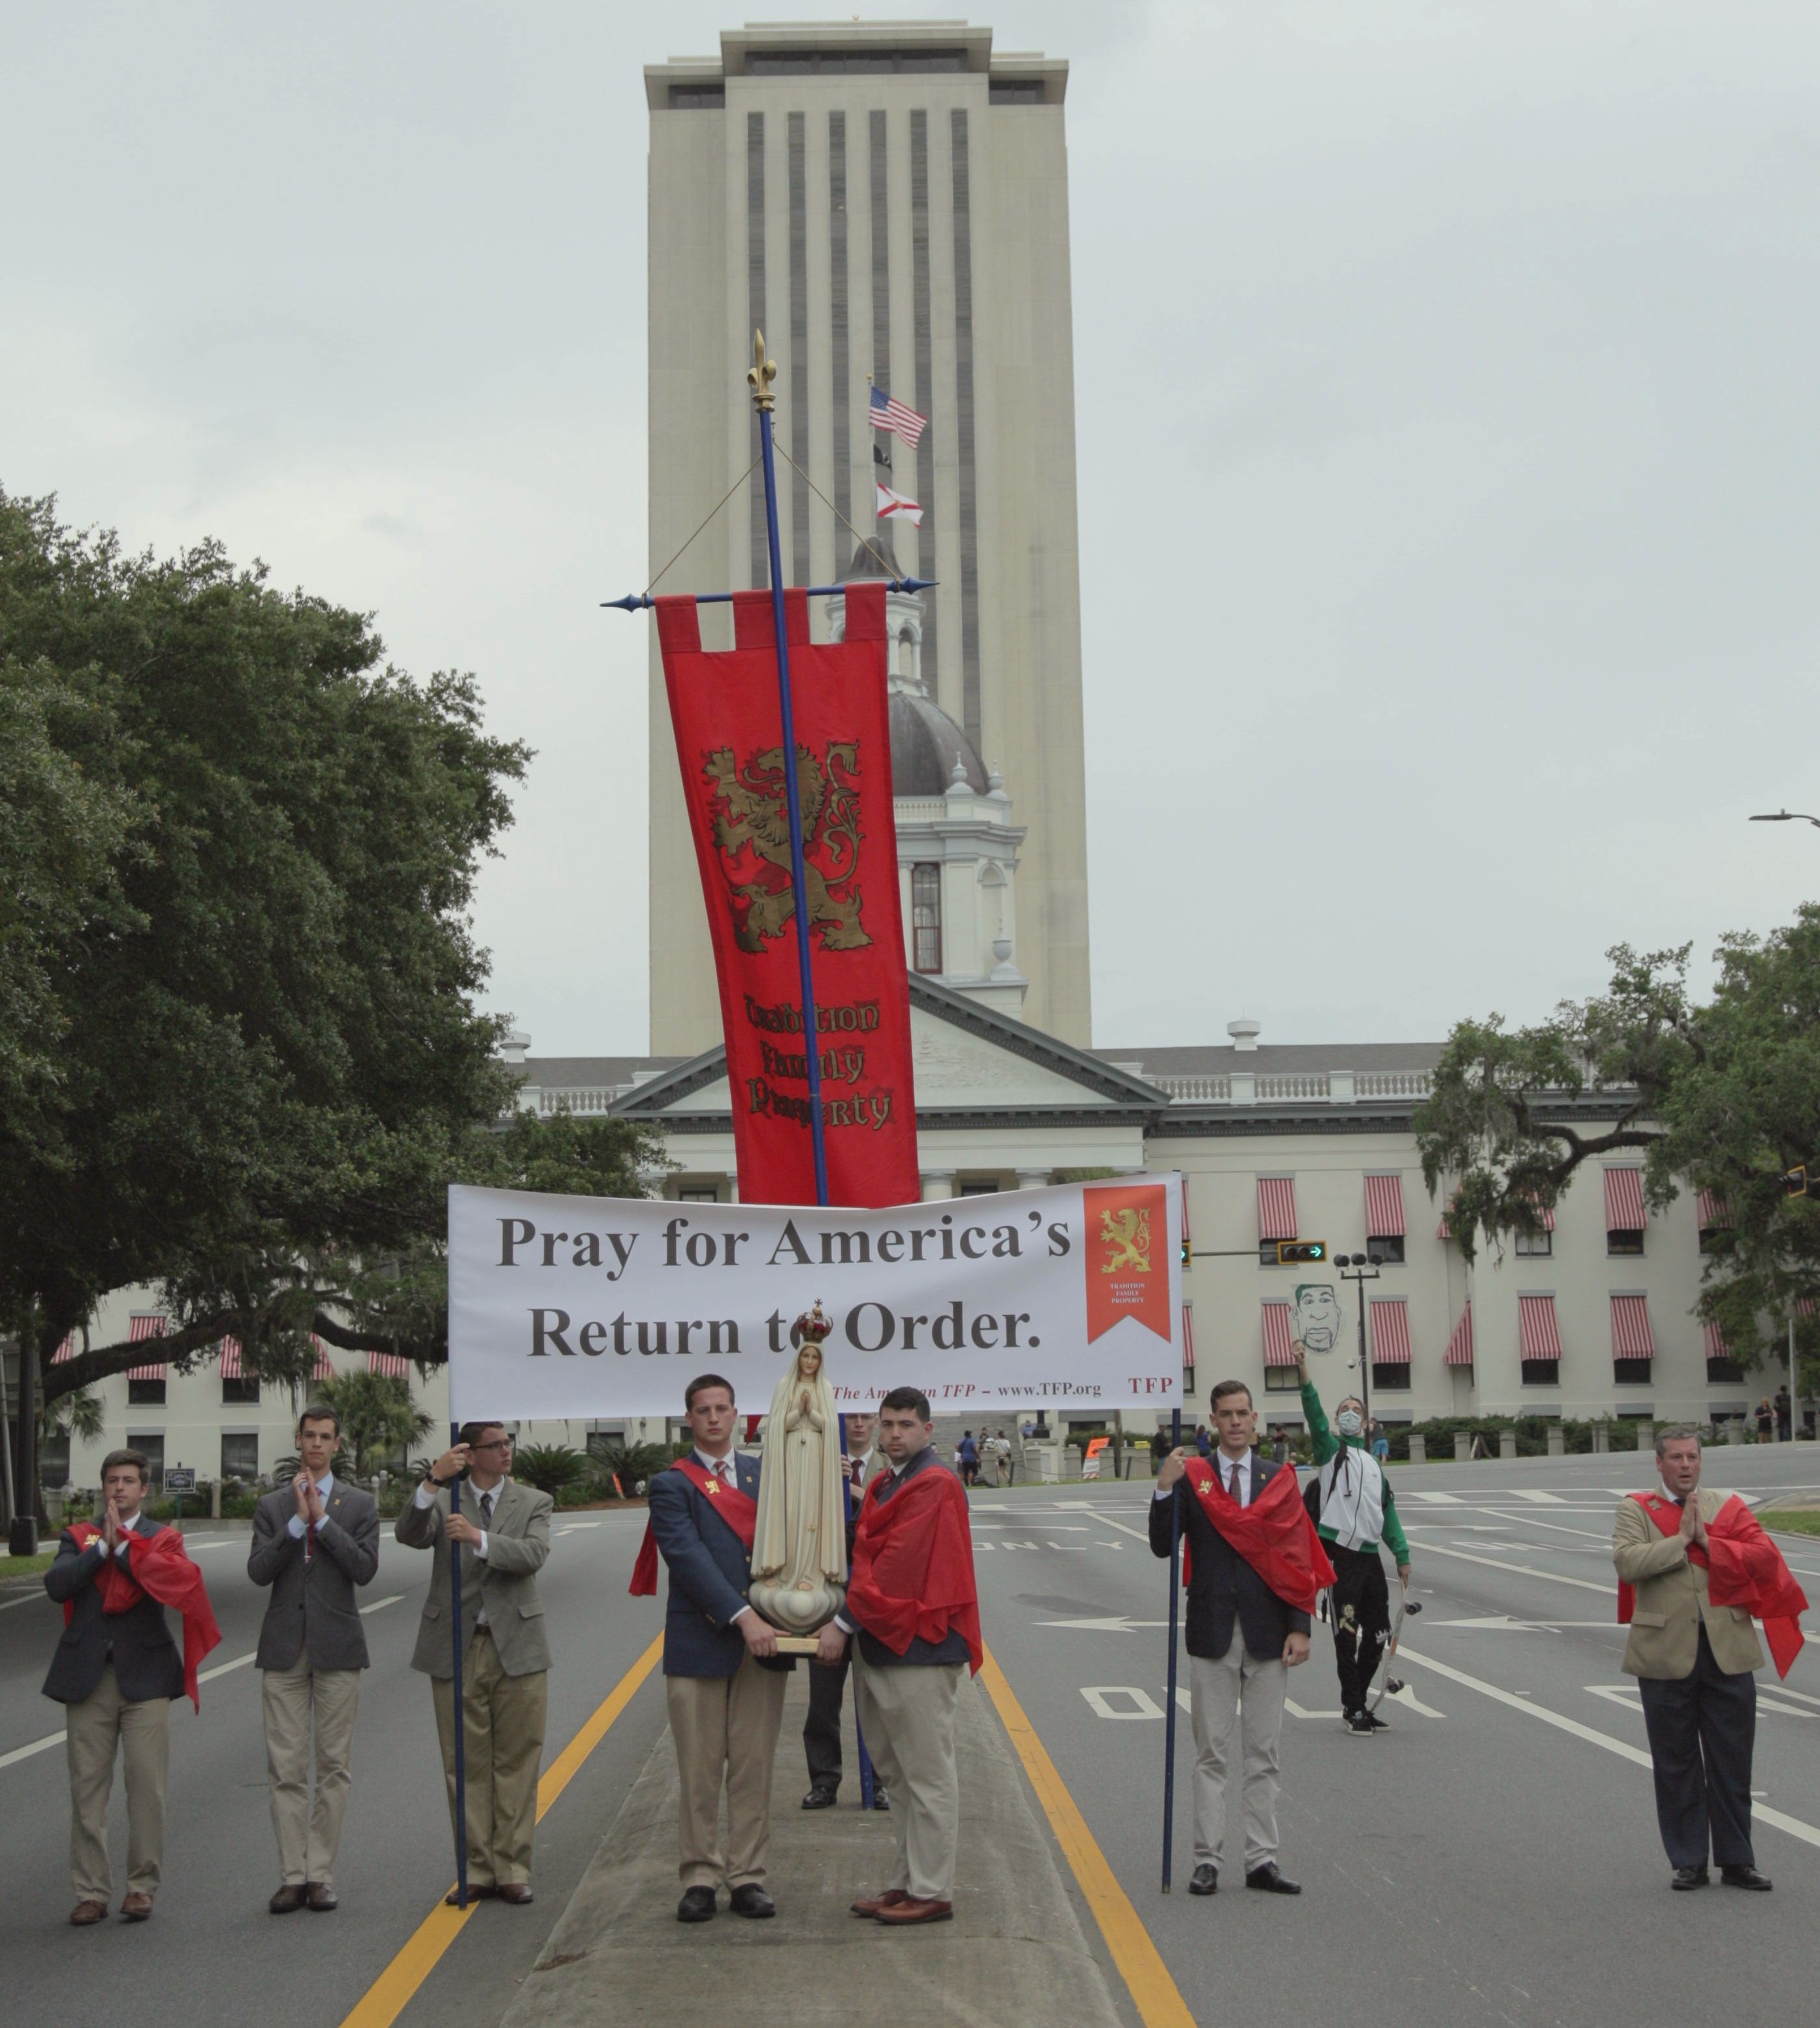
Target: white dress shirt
point(324, 1487)
point(129, 1527)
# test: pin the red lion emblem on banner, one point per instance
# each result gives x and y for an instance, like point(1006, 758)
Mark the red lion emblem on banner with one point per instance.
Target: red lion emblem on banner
point(751, 827)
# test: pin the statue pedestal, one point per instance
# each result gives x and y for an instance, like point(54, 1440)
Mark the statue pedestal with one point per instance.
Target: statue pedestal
point(797, 1644)
point(799, 1611)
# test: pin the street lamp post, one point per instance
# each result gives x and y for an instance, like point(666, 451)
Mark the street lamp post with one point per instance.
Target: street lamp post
point(1361, 1269)
point(1786, 817)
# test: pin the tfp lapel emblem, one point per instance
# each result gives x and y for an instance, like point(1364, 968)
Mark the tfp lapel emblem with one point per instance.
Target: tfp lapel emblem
point(713, 1489)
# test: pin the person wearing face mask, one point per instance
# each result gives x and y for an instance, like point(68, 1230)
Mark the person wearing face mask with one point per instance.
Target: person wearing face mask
point(1354, 1509)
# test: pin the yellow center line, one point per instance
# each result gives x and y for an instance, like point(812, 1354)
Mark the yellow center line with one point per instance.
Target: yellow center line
point(394, 1989)
point(1153, 1992)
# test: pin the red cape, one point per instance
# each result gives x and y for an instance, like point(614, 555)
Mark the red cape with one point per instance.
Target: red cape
point(1273, 1534)
point(738, 1510)
point(1744, 1568)
point(912, 1564)
point(158, 1566)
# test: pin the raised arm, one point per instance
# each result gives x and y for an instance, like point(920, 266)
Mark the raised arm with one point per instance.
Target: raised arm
point(1325, 1442)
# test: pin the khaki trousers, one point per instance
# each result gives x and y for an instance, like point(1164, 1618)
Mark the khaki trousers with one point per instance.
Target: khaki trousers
point(906, 1716)
point(94, 1731)
point(725, 1730)
point(308, 1839)
point(1239, 1694)
point(504, 1745)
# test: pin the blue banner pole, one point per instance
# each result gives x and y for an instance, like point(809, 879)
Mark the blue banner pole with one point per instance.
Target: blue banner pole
point(1175, 1595)
point(762, 373)
point(461, 1715)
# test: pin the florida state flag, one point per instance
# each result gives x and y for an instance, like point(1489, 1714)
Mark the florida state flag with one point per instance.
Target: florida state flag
point(724, 710)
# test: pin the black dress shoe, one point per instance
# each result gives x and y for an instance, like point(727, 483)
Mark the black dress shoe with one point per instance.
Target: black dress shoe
point(821, 1799)
point(752, 1900)
point(1269, 1879)
point(1205, 1878)
point(1688, 1877)
point(287, 1901)
point(1745, 1876)
point(696, 1906)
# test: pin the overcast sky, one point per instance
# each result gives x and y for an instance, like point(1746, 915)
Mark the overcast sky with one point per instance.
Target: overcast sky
point(1448, 431)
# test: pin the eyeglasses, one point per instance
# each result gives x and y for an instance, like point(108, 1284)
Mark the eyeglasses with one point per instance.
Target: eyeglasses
point(497, 1444)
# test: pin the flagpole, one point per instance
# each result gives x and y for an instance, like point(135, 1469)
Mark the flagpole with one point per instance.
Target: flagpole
point(1175, 1593)
point(460, 1711)
point(759, 376)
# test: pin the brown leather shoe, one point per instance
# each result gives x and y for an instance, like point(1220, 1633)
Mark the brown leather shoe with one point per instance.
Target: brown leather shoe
point(85, 1912)
point(873, 1903)
point(321, 1897)
point(517, 1892)
point(453, 1898)
point(136, 1907)
point(287, 1901)
point(910, 1911)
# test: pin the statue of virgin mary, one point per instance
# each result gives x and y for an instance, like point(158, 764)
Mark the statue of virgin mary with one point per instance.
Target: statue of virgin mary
point(799, 1551)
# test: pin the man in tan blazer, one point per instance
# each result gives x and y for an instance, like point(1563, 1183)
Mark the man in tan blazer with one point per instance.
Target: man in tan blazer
point(502, 1536)
point(1693, 1661)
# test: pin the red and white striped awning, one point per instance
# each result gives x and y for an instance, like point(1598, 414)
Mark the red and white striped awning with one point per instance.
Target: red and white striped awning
point(1276, 1208)
point(393, 1364)
point(1715, 1212)
point(1624, 1211)
point(1188, 1337)
point(138, 1331)
point(1716, 1345)
point(1538, 1336)
point(231, 1360)
point(1278, 1350)
point(1459, 1352)
point(1384, 1208)
point(65, 1351)
point(322, 1370)
point(1389, 1331)
point(1441, 1230)
point(1630, 1338)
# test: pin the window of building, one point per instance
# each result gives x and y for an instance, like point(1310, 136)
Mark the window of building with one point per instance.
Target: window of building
point(604, 1438)
point(1391, 1373)
point(1535, 1245)
point(979, 1189)
point(1724, 1371)
point(1281, 1380)
point(1632, 1372)
point(1625, 1244)
point(53, 1459)
point(1715, 1217)
point(1386, 1246)
point(144, 1393)
point(926, 918)
point(238, 1391)
point(1015, 91)
point(704, 1193)
point(698, 98)
point(240, 1454)
point(152, 1443)
point(862, 63)
point(1541, 1373)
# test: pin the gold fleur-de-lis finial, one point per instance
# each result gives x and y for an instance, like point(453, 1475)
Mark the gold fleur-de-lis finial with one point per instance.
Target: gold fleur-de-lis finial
point(760, 373)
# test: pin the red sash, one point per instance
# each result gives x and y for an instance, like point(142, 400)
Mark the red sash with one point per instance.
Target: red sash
point(912, 1564)
point(1744, 1568)
point(727, 1503)
point(158, 1566)
point(1273, 1534)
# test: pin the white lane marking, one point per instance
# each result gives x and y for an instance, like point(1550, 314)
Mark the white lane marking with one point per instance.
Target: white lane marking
point(380, 1605)
point(1143, 1705)
point(1502, 1622)
point(1082, 1547)
point(25, 1600)
point(1296, 1711)
point(43, 1746)
point(1115, 1623)
point(1522, 1570)
point(980, 1549)
point(214, 1542)
point(1106, 1521)
point(1069, 1527)
point(223, 1668)
point(1541, 1498)
point(1407, 1695)
point(1807, 1832)
point(1438, 1499)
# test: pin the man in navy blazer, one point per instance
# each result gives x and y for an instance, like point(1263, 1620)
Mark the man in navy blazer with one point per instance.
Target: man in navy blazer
point(723, 1677)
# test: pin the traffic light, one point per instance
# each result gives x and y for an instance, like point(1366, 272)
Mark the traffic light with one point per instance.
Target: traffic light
point(1795, 1181)
point(1293, 1253)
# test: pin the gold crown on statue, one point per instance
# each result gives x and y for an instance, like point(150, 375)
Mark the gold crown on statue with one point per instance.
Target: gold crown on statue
point(813, 1325)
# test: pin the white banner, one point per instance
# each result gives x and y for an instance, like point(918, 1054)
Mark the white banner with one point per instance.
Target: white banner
point(1068, 1298)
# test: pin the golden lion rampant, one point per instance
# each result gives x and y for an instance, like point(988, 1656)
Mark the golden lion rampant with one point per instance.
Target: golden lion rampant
point(1128, 1231)
point(751, 815)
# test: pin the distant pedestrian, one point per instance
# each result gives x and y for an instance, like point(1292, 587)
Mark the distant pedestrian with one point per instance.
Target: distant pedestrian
point(967, 1459)
point(1784, 1415)
point(1203, 1443)
point(1380, 1441)
point(1694, 1566)
point(1029, 1430)
point(1766, 1420)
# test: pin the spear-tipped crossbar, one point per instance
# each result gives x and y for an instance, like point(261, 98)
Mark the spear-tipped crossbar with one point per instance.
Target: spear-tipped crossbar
point(635, 601)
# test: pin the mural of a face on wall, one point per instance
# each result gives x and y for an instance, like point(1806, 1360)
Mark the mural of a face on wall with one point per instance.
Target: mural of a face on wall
point(1316, 1322)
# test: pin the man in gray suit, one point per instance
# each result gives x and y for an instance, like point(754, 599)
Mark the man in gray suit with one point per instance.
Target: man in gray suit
point(314, 1542)
point(502, 1536)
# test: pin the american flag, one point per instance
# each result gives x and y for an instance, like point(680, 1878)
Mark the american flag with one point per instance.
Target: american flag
point(894, 416)
point(889, 503)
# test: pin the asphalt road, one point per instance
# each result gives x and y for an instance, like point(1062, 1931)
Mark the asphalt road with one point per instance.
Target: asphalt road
point(1493, 1857)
